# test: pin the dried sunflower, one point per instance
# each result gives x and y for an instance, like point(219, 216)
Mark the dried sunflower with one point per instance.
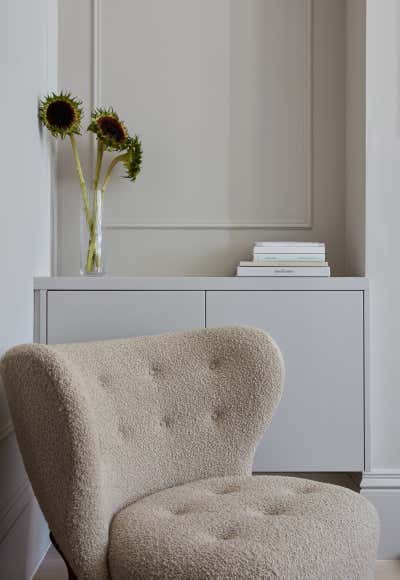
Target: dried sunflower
point(133, 158)
point(109, 129)
point(61, 114)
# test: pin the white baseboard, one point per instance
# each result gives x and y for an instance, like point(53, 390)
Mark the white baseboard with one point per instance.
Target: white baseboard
point(382, 488)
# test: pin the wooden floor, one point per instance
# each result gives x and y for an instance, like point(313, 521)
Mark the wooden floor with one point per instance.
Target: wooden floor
point(53, 568)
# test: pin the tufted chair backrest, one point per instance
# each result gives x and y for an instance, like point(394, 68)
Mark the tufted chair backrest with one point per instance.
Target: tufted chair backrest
point(102, 424)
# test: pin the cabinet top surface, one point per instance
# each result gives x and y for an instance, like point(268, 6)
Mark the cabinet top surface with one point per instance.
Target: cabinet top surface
point(198, 283)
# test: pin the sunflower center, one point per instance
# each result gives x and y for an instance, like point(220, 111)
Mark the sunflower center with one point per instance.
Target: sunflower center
point(60, 114)
point(112, 128)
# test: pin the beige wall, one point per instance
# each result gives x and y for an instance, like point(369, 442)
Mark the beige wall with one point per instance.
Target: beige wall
point(28, 48)
point(355, 138)
point(193, 80)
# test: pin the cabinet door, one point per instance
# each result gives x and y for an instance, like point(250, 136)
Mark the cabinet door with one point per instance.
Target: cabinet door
point(318, 425)
point(74, 316)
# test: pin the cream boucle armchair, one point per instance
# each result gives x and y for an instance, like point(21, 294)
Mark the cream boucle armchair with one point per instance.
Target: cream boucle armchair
point(140, 453)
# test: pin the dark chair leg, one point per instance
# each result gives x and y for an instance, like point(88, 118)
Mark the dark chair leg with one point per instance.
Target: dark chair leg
point(71, 575)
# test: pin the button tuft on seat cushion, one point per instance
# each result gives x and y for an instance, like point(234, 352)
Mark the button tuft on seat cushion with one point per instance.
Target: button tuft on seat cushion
point(217, 414)
point(230, 535)
point(214, 364)
point(154, 369)
point(181, 511)
point(226, 490)
point(276, 512)
point(124, 428)
point(308, 490)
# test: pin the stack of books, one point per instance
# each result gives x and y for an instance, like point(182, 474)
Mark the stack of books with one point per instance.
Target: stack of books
point(286, 259)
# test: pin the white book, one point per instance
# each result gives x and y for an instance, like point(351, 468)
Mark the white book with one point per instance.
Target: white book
point(273, 257)
point(272, 244)
point(289, 250)
point(274, 271)
point(284, 264)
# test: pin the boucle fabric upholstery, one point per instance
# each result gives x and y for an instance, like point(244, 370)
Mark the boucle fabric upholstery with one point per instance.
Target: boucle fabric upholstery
point(101, 425)
point(248, 528)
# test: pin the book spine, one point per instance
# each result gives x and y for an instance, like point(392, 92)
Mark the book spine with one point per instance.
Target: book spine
point(267, 271)
point(282, 264)
point(289, 250)
point(261, 257)
point(290, 244)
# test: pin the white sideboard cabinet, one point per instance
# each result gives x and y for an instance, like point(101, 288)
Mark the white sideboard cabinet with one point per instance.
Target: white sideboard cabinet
point(319, 324)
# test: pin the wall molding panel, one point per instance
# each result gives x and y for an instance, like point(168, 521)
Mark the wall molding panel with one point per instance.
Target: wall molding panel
point(131, 225)
point(304, 221)
point(240, 108)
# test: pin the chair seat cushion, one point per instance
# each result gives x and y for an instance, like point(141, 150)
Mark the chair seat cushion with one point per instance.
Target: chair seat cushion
point(246, 527)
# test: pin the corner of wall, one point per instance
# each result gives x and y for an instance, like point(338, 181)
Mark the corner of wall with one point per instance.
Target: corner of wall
point(355, 138)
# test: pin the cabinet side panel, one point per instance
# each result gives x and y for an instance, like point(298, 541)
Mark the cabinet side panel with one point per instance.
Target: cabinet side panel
point(40, 316)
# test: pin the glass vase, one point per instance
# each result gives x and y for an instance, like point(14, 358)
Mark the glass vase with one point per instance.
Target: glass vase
point(92, 255)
